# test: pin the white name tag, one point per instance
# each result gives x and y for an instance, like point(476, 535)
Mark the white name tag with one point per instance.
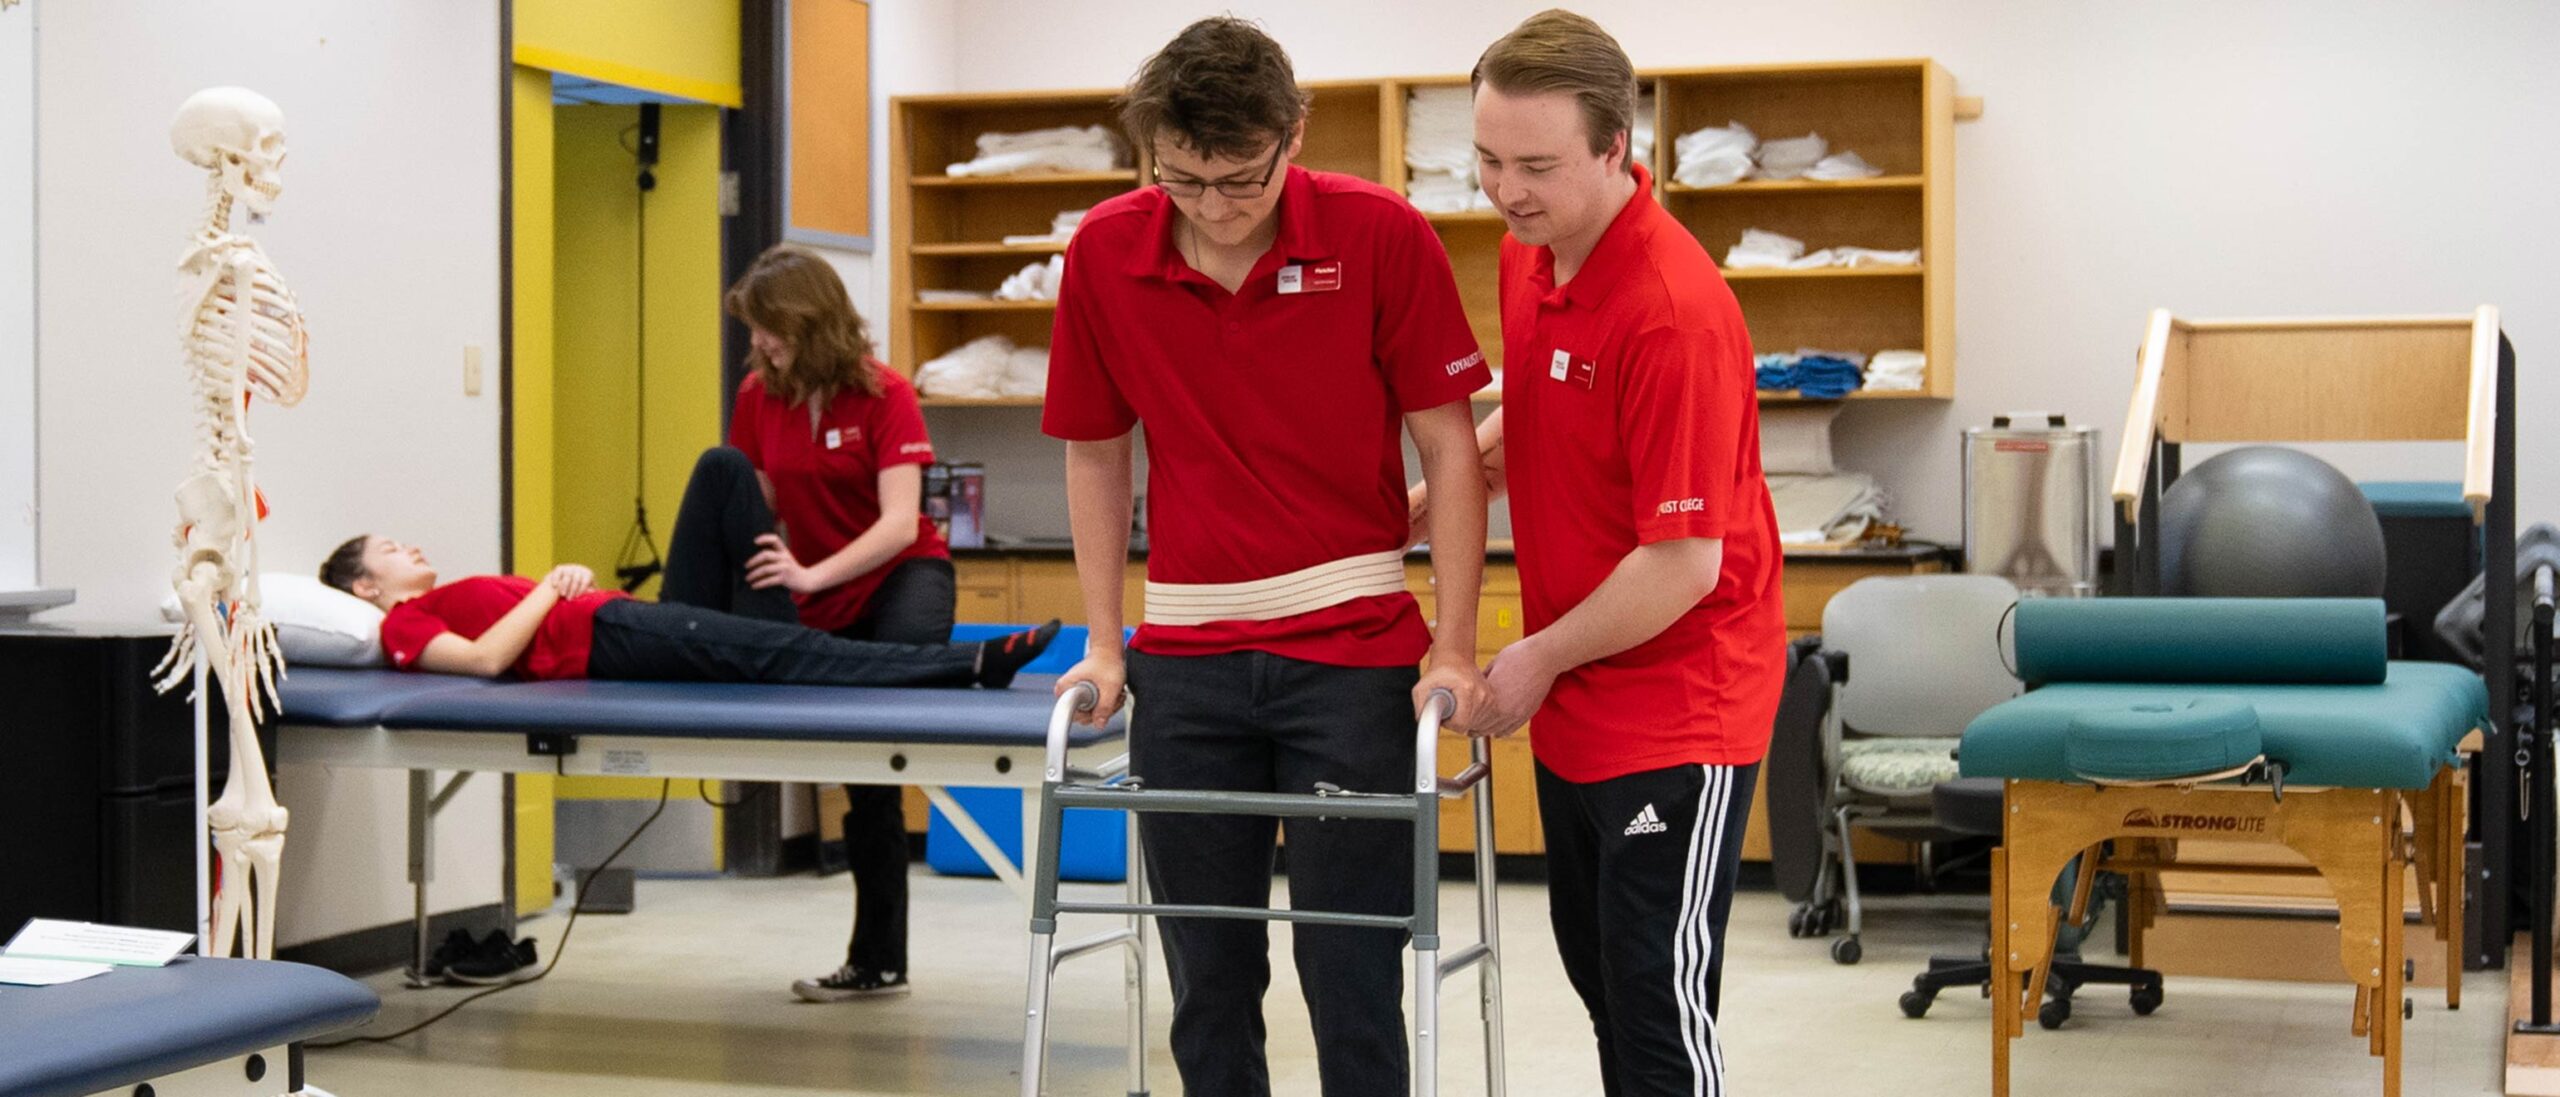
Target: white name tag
point(835, 438)
point(1293, 279)
point(1560, 367)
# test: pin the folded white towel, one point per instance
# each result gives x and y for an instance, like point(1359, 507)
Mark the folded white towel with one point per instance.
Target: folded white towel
point(1762, 249)
point(1037, 282)
point(1897, 371)
point(1842, 165)
point(1712, 157)
point(1790, 157)
point(1060, 149)
point(1873, 257)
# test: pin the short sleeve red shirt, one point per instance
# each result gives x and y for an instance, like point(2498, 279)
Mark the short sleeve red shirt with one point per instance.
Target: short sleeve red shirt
point(826, 478)
point(467, 607)
point(1630, 416)
point(1273, 414)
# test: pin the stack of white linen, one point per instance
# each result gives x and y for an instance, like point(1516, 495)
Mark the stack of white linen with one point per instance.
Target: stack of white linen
point(1762, 249)
point(1059, 149)
point(1061, 229)
point(1714, 156)
point(1896, 371)
point(984, 368)
point(1832, 509)
point(1440, 151)
point(1036, 282)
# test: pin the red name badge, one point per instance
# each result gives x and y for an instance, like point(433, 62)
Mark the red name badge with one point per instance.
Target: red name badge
point(1585, 372)
point(1324, 277)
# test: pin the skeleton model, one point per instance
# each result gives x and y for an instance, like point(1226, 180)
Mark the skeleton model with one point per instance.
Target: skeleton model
point(243, 337)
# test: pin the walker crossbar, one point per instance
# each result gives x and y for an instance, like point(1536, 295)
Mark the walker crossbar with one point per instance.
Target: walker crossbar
point(1418, 804)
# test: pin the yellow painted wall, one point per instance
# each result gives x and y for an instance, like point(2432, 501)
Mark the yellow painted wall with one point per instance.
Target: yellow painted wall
point(686, 48)
point(530, 403)
point(597, 309)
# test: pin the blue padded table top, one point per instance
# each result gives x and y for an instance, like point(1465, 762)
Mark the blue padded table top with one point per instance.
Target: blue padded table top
point(2393, 735)
point(337, 698)
point(134, 1024)
point(960, 717)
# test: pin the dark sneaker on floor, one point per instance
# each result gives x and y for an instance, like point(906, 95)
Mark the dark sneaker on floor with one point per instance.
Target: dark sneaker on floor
point(849, 982)
point(494, 960)
point(457, 945)
point(1005, 656)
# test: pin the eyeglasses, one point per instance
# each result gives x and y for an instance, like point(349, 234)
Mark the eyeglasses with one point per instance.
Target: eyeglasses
point(1239, 189)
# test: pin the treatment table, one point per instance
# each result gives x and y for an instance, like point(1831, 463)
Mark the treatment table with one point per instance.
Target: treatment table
point(198, 1027)
point(932, 738)
point(2154, 720)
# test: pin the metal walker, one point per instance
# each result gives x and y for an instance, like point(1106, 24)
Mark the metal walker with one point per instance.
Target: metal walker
point(1062, 788)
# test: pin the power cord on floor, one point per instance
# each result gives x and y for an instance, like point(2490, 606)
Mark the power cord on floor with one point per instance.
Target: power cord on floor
point(557, 951)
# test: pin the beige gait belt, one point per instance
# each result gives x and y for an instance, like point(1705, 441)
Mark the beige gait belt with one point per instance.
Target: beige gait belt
point(1302, 591)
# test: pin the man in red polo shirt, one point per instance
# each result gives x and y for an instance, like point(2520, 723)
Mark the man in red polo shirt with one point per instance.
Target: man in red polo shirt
point(1273, 328)
point(1629, 440)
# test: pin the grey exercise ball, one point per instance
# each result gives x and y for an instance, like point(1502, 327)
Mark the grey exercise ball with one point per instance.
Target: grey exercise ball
point(2268, 522)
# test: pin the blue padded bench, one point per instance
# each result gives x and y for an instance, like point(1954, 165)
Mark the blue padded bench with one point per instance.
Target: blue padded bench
point(134, 1025)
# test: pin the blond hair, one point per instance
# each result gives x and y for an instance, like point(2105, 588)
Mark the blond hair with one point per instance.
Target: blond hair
point(1558, 51)
point(793, 293)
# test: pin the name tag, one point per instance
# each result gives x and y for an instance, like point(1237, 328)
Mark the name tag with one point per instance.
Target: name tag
point(1321, 277)
point(835, 439)
point(1560, 366)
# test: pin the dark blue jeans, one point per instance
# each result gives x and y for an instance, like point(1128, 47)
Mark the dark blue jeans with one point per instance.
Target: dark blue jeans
point(1255, 722)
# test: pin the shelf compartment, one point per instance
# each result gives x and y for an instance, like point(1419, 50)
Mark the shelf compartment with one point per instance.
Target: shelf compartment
point(1345, 131)
point(1749, 187)
point(1889, 220)
point(1874, 110)
point(1854, 314)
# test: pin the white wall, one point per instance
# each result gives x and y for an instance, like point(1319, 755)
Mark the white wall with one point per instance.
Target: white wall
point(388, 233)
point(2218, 159)
point(17, 297)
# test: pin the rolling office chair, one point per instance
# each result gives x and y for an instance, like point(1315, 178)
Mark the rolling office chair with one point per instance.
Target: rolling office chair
point(1868, 725)
point(1866, 735)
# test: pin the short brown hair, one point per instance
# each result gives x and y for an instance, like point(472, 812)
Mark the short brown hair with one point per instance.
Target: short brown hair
point(1558, 51)
point(793, 293)
point(345, 564)
point(1221, 89)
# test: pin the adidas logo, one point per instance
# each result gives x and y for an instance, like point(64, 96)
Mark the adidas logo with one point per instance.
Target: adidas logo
point(1646, 822)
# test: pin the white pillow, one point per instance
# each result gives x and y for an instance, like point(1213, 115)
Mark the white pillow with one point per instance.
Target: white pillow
point(317, 624)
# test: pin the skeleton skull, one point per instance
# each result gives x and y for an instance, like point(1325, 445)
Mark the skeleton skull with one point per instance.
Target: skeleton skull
point(239, 133)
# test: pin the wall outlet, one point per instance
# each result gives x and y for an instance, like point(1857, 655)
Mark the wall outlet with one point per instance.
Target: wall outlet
point(471, 371)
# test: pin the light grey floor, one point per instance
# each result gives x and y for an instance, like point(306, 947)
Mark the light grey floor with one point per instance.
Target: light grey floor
point(689, 997)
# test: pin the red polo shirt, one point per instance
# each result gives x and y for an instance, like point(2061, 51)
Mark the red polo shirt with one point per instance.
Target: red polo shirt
point(1273, 414)
point(826, 478)
point(467, 607)
point(1630, 417)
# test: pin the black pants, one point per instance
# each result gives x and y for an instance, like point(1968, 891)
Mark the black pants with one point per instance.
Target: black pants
point(1252, 721)
point(1639, 883)
point(912, 606)
point(716, 526)
point(666, 642)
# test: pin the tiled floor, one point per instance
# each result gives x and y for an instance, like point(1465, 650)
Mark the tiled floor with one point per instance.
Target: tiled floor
point(689, 997)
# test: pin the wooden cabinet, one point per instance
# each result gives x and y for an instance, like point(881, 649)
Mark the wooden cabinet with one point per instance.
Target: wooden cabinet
point(948, 233)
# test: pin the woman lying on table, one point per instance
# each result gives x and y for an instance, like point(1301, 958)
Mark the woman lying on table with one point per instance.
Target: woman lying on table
point(490, 626)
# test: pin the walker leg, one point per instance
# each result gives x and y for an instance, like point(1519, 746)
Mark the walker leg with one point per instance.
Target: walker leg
point(1136, 969)
point(1489, 931)
point(1035, 1021)
point(1426, 1019)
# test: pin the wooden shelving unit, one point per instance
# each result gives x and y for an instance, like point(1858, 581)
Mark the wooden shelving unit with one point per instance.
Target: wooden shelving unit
point(946, 232)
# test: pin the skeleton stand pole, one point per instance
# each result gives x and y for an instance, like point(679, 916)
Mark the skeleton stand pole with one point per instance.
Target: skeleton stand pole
point(204, 874)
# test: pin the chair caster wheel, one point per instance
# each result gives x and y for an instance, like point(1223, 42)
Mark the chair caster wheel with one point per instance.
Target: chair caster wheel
point(2054, 1012)
point(1915, 1003)
point(2146, 999)
point(1846, 951)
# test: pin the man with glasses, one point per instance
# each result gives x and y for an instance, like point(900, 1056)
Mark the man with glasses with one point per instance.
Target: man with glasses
point(1272, 327)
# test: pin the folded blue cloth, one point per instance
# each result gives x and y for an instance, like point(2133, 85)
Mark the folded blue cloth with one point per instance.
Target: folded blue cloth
point(1823, 377)
point(1776, 372)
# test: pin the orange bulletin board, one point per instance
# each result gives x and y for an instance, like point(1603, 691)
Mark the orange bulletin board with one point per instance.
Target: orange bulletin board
point(827, 97)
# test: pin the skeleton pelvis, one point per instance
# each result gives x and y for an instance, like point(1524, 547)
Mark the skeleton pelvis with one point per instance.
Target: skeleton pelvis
point(207, 507)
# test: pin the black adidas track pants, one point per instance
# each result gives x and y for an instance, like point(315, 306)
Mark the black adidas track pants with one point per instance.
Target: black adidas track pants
point(1640, 875)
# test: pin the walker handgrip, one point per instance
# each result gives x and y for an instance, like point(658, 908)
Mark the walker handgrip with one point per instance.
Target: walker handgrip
point(1080, 697)
point(1437, 705)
